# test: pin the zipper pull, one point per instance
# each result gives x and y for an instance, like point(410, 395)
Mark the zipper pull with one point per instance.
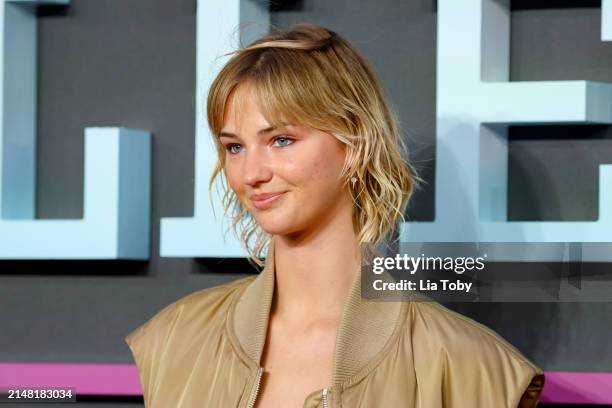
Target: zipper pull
point(325, 401)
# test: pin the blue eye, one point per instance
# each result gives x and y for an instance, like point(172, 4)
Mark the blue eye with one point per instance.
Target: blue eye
point(230, 147)
point(284, 138)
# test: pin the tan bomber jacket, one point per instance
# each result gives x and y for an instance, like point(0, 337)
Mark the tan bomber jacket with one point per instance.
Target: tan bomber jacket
point(204, 350)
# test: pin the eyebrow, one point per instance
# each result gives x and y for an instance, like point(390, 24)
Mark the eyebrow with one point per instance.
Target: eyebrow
point(259, 133)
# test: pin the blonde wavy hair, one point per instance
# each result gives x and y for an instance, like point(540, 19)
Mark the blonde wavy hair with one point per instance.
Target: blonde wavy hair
point(310, 76)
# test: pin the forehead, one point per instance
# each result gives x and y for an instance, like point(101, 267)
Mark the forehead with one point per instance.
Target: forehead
point(242, 108)
point(262, 104)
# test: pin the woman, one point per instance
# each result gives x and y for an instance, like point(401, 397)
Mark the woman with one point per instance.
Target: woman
point(312, 155)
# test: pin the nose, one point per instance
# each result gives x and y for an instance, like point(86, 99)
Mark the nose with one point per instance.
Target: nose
point(256, 168)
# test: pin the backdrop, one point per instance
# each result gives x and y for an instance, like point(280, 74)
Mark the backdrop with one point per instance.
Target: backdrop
point(131, 63)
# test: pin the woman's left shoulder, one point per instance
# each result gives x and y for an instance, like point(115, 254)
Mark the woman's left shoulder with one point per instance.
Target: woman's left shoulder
point(471, 356)
point(457, 332)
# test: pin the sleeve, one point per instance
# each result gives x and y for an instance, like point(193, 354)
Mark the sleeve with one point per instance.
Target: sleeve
point(492, 373)
point(148, 344)
point(531, 395)
point(462, 363)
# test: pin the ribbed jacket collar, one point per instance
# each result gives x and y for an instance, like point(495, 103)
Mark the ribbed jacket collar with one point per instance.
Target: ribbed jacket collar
point(365, 326)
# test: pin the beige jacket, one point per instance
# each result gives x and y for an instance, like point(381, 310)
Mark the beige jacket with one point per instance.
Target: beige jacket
point(204, 350)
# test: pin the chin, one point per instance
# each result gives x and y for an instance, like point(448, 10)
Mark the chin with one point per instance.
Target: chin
point(275, 228)
point(277, 224)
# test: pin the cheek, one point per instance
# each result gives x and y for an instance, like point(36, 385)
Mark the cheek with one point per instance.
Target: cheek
point(233, 180)
point(319, 172)
point(328, 166)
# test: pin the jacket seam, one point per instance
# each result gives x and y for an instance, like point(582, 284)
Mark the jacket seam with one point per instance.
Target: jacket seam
point(382, 354)
point(229, 331)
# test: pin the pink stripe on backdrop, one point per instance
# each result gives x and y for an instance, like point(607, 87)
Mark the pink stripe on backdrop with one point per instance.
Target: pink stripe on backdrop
point(122, 380)
point(87, 379)
point(564, 387)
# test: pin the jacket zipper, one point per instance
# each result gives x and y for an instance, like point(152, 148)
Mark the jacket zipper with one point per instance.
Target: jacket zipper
point(253, 397)
point(325, 401)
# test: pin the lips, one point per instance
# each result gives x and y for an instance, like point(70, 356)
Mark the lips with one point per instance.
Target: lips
point(264, 196)
point(265, 201)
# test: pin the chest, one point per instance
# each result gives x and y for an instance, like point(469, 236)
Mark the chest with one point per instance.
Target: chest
point(295, 366)
point(295, 380)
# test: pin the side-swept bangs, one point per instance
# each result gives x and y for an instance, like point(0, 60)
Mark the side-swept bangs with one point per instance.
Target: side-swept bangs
point(310, 76)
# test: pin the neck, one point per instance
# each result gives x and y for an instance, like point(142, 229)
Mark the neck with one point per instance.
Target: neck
point(366, 326)
point(313, 275)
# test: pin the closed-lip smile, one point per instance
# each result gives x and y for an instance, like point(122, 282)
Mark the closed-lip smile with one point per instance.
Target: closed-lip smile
point(264, 196)
point(265, 201)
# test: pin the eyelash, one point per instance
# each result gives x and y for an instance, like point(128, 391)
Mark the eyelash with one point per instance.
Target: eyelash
point(229, 146)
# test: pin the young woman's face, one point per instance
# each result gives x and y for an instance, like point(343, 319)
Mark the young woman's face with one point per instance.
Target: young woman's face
point(288, 178)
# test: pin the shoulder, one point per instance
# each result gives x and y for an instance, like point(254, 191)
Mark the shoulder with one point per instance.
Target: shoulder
point(456, 332)
point(473, 359)
point(205, 303)
point(205, 308)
